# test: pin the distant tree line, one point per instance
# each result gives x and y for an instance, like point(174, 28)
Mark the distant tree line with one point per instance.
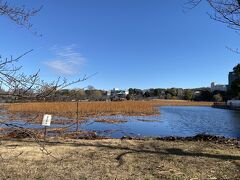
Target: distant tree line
point(92, 94)
point(201, 94)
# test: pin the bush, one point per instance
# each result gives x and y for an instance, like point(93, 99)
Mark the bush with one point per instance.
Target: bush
point(217, 98)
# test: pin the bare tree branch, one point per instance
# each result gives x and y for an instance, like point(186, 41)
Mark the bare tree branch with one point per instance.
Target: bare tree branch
point(236, 51)
point(21, 86)
point(20, 15)
point(225, 11)
point(15, 84)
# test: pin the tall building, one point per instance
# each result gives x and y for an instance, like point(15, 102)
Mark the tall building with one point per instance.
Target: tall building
point(231, 77)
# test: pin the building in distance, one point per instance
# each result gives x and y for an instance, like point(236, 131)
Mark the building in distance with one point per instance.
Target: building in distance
point(218, 87)
point(117, 94)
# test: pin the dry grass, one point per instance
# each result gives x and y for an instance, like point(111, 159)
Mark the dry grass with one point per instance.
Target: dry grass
point(100, 108)
point(158, 102)
point(86, 108)
point(120, 159)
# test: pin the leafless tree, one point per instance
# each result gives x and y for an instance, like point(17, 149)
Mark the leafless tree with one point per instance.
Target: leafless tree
point(225, 11)
point(12, 81)
point(19, 15)
point(21, 86)
point(15, 84)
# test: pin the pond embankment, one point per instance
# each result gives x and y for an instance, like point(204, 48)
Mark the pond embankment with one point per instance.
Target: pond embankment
point(227, 105)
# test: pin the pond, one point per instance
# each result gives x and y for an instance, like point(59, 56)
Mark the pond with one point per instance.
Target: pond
point(173, 121)
point(179, 121)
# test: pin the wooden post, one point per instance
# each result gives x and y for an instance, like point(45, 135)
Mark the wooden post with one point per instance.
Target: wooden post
point(45, 132)
point(77, 118)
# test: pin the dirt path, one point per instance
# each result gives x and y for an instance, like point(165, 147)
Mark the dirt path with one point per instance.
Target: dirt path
point(120, 159)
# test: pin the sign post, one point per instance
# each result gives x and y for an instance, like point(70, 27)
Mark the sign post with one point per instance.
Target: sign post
point(46, 122)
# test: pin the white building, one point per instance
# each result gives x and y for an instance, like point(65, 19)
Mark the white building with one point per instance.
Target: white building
point(218, 87)
point(117, 94)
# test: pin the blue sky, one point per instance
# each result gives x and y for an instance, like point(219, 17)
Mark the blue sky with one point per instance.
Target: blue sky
point(130, 43)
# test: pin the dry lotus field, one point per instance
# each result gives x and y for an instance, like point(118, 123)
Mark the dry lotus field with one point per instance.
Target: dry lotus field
point(100, 108)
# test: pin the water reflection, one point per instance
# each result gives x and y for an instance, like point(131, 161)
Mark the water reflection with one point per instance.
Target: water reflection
point(173, 121)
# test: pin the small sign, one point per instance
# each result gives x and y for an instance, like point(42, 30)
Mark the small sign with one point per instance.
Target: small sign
point(46, 120)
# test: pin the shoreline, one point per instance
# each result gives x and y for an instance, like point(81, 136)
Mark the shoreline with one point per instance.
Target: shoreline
point(92, 136)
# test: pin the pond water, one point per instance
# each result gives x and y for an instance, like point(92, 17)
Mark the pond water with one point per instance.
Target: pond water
point(173, 121)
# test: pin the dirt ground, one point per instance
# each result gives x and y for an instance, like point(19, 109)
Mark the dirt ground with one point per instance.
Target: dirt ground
point(119, 159)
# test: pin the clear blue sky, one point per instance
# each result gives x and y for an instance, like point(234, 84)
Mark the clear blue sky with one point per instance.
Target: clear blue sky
point(130, 43)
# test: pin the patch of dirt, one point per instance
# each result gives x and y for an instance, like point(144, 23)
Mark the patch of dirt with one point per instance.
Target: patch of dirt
point(111, 121)
point(82, 135)
point(147, 120)
point(23, 133)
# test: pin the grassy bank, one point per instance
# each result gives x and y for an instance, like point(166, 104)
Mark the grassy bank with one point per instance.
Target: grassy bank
point(100, 108)
point(120, 159)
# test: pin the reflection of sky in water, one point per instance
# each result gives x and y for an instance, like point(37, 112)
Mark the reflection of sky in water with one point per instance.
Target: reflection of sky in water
point(172, 121)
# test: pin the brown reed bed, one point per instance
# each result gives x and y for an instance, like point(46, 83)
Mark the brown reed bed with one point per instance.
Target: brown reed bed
point(158, 102)
point(86, 109)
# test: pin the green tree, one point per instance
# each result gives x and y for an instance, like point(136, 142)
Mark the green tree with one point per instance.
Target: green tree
point(188, 95)
point(168, 96)
point(128, 97)
point(235, 86)
point(236, 70)
point(235, 89)
point(217, 98)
